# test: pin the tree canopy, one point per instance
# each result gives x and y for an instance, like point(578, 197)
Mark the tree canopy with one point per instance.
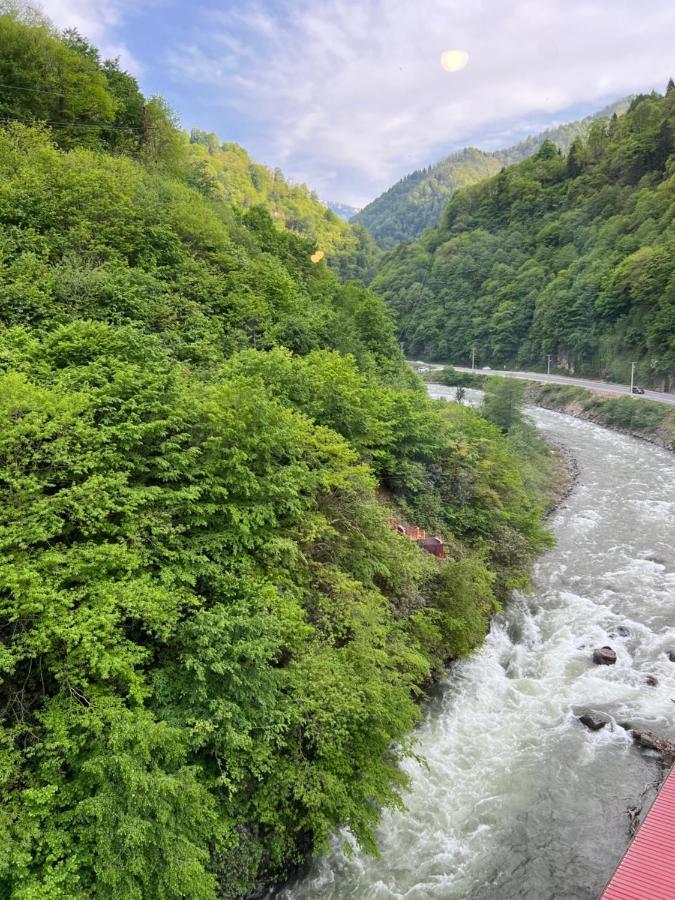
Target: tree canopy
point(417, 201)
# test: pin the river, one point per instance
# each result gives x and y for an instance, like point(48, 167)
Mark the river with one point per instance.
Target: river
point(517, 799)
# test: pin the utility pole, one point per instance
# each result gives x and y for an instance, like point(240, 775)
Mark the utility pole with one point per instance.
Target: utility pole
point(548, 363)
point(632, 376)
point(473, 358)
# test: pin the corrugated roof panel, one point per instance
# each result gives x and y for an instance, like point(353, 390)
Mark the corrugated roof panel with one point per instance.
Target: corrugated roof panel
point(647, 870)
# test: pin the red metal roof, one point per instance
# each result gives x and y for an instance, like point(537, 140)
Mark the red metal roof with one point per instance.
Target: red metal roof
point(647, 870)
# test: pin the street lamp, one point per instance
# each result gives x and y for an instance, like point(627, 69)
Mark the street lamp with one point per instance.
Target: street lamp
point(548, 363)
point(632, 376)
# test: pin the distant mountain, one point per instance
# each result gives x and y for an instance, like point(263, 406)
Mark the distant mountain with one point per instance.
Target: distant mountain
point(342, 209)
point(416, 202)
point(568, 256)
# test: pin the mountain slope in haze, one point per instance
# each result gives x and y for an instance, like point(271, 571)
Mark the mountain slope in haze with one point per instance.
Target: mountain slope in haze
point(416, 202)
point(572, 256)
point(343, 210)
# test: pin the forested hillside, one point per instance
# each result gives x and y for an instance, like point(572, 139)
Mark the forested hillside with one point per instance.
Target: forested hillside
point(417, 201)
point(61, 80)
point(568, 255)
point(212, 635)
point(231, 174)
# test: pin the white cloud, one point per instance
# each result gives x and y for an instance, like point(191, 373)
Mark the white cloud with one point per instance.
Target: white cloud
point(97, 20)
point(357, 86)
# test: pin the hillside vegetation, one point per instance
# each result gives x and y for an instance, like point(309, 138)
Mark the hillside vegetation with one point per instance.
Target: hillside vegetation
point(568, 255)
point(60, 79)
point(417, 201)
point(654, 422)
point(212, 636)
point(230, 173)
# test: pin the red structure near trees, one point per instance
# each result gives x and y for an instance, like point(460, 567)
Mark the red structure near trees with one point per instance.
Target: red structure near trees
point(433, 545)
point(647, 870)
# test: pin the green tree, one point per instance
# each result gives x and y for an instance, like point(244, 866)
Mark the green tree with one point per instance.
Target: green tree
point(503, 403)
point(47, 79)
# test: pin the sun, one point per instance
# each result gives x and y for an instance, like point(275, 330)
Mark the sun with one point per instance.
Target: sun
point(454, 60)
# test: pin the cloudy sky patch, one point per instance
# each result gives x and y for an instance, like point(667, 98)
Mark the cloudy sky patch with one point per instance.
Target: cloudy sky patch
point(349, 95)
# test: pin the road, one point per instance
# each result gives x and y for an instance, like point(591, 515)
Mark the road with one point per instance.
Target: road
point(605, 387)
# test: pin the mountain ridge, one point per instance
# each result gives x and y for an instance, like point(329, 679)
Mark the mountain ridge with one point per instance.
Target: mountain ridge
point(344, 210)
point(570, 256)
point(416, 201)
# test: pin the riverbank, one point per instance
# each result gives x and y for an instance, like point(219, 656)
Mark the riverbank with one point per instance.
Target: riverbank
point(564, 475)
point(645, 420)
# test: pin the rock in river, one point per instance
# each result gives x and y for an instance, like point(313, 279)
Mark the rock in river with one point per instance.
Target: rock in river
point(592, 722)
point(650, 741)
point(604, 656)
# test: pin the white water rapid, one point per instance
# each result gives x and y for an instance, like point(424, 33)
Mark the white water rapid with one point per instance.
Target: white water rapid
point(517, 799)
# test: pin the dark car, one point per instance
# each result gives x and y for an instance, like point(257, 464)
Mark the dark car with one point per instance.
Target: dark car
point(638, 390)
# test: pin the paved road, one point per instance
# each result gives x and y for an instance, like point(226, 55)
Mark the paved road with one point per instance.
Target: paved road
point(604, 386)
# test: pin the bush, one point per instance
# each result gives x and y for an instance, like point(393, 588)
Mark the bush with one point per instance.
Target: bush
point(452, 377)
point(627, 412)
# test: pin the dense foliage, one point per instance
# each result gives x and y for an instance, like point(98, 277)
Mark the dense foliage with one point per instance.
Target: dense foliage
point(453, 377)
point(503, 402)
point(59, 79)
point(231, 174)
point(569, 256)
point(417, 201)
point(212, 636)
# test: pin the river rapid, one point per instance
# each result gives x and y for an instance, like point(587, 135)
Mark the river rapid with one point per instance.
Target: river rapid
point(516, 798)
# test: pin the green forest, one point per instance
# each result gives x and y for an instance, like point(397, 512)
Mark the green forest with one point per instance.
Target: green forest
point(569, 255)
point(61, 80)
point(214, 639)
point(232, 175)
point(417, 201)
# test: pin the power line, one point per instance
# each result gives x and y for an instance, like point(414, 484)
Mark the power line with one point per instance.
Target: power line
point(6, 120)
point(142, 129)
point(32, 90)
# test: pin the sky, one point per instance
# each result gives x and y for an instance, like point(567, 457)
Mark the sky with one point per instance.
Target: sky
point(348, 96)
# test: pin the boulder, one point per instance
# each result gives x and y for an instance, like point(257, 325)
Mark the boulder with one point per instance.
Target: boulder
point(622, 631)
point(652, 680)
point(650, 741)
point(592, 722)
point(604, 656)
point(671, 655)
